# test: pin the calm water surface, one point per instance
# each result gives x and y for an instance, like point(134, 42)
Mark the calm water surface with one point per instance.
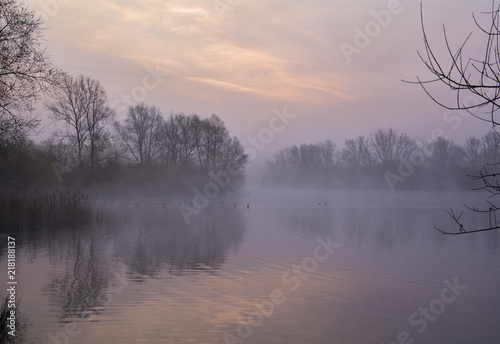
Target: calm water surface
point(254, 275)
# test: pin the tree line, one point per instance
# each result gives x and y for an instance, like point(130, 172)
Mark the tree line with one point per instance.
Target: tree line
point(146, 150)
point(374, 161)
point(93, 148)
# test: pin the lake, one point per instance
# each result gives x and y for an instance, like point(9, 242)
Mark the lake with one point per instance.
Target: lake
point(294, 267)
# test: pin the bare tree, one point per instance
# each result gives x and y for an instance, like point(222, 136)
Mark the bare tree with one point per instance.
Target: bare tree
point(98, 114)
point(25, 70)
point(390, 147)
point(140, 133)
point(357, 152)
point(81, 103)
point(475, 84)
point(444, 155)
point(180, 141)
point(490, 152)
point(58, 150)
point(300, 165)
point(68, 108)
point(475, 80)
point(215, 137)
point(196, 147)
point(472, 150)
point(216, 150)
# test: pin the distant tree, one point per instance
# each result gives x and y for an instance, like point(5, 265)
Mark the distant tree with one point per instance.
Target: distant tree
point(357, 152)
point(81, 104)
point(26, 71)
point(140, 133)
point(472, 149)
point(284, 161)
point(490, 152)
point(299, 165)
point(445, 155)
point(317, 157)
point(390, 147)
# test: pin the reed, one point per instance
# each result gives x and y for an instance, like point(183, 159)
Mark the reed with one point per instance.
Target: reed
point(20, 210)
point(4, 314)
point(21, 324)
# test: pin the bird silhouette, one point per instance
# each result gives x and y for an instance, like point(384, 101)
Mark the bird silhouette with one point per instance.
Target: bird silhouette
point(248, 206)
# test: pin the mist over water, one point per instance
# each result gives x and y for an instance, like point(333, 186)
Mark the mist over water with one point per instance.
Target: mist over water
point(248, 172)
point(147, 276)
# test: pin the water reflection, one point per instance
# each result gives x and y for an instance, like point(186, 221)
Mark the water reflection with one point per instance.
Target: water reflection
point(153, 239)
point(81, 287)
point(210, 274)
point(147, 241)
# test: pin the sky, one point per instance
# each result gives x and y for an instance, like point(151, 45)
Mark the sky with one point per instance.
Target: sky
point(336, 67)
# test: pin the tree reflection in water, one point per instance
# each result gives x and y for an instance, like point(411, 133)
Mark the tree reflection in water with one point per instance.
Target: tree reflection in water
point(147, 241)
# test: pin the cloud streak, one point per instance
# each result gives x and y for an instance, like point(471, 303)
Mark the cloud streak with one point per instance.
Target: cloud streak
point(263, 54)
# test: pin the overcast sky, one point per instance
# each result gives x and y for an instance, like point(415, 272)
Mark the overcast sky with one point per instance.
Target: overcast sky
point(242, 59)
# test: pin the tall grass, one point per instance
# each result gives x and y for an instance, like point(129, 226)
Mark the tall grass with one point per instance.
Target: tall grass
point(20, 210)
point(4, 314)
point(21, 324)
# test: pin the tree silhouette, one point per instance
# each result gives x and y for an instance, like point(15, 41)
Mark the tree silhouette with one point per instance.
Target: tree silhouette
point(140, 133)
point(81, 103)
point(25, 72)
point(475, 84)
